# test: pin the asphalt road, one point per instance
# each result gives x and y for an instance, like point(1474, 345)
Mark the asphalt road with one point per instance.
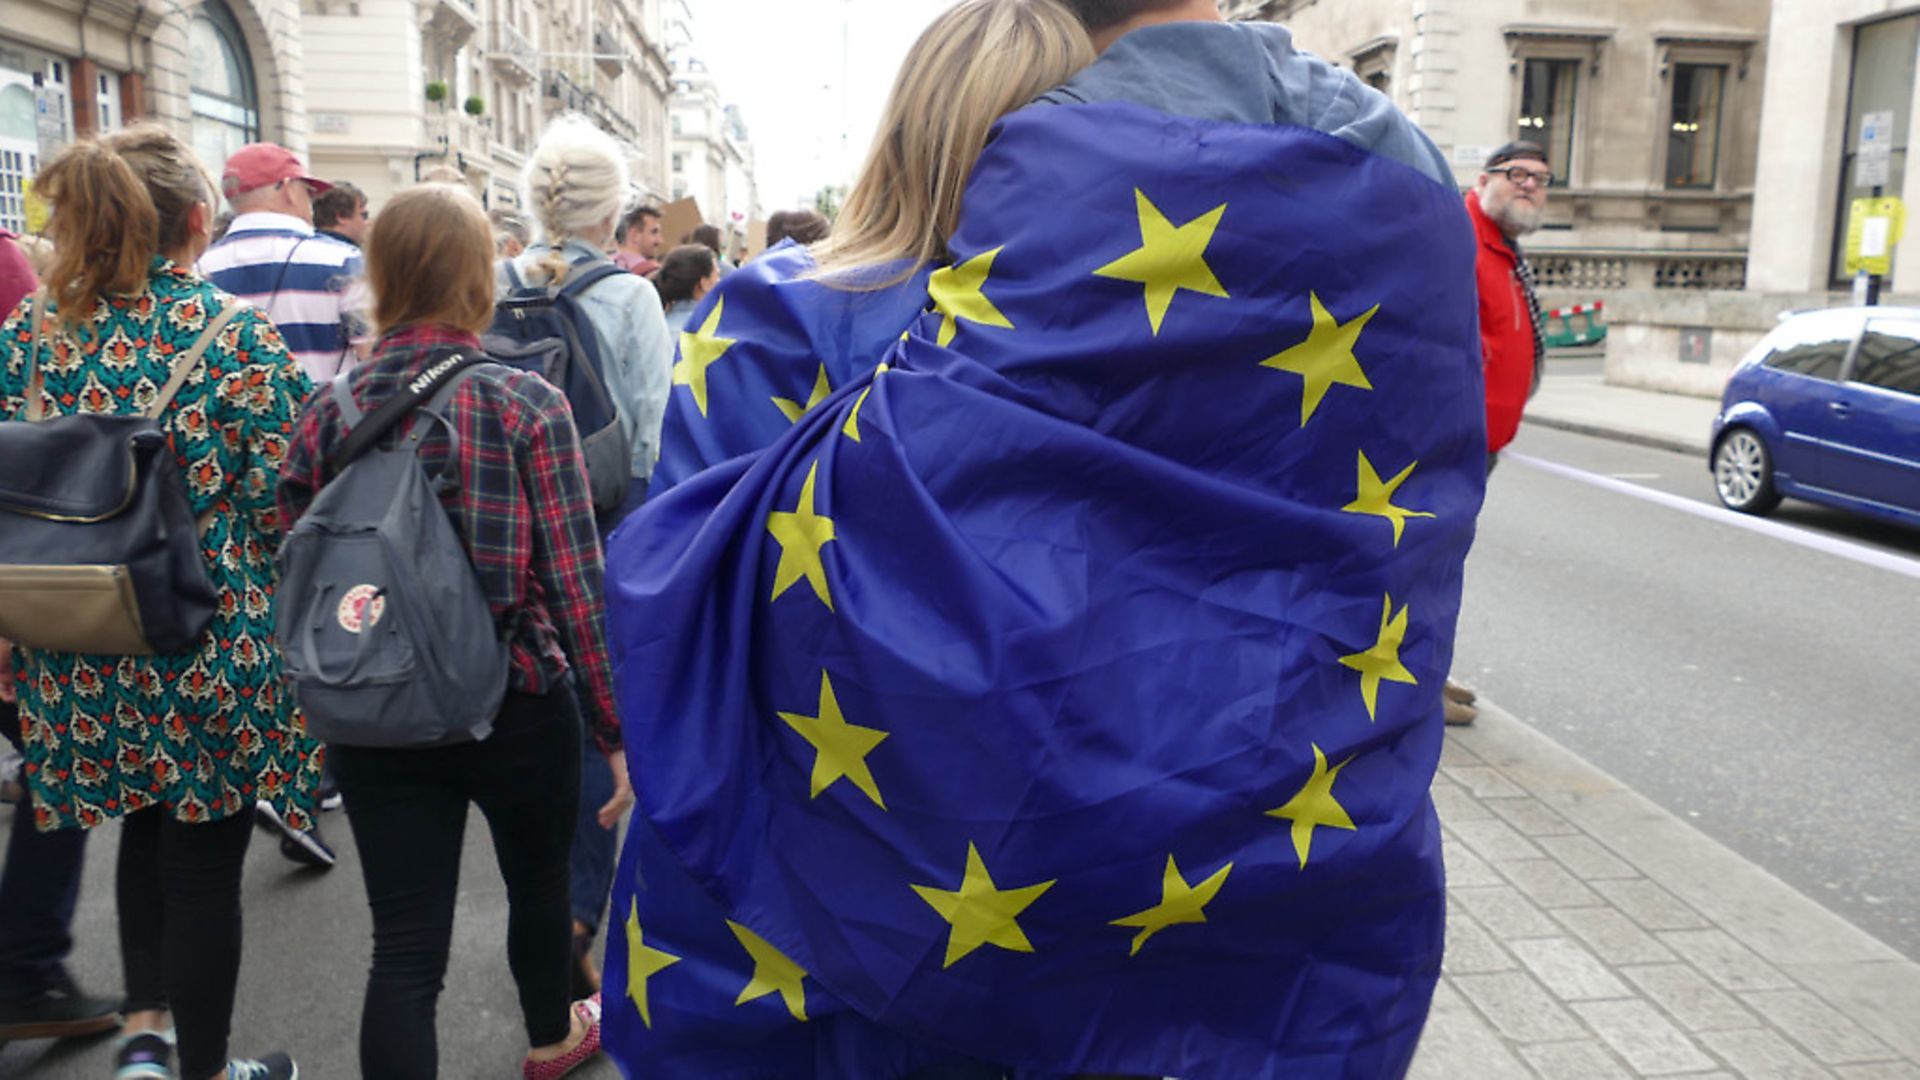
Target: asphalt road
point(1763, 690)
point(308, 940)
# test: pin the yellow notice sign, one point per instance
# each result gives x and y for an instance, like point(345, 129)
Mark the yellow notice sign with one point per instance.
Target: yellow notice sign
point(36, 207)
point(1874, 226)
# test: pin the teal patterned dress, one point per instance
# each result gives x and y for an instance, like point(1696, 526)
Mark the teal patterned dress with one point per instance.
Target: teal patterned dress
point(203, 733)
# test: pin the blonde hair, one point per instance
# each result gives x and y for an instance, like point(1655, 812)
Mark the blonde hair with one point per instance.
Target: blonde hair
point(977, 62)
point(575, 181)
point(118, 200)
point(430, 260)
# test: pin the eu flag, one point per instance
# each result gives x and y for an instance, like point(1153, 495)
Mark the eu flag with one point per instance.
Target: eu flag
point(1065, 694)
point(743, 390)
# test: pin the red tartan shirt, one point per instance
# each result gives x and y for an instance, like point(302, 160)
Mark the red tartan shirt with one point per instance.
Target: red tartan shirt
point(521, 507)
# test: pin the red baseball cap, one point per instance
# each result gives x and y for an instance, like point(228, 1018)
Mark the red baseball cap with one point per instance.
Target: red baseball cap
point(258, 165)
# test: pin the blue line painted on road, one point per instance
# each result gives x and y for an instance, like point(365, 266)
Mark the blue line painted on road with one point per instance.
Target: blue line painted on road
point(1845, 549)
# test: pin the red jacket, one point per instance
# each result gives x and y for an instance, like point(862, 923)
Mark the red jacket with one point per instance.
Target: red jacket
point(16, 274)
point(1506, 329)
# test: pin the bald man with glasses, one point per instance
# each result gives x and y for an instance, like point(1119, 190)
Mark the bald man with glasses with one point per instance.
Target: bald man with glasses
point(1505, 205)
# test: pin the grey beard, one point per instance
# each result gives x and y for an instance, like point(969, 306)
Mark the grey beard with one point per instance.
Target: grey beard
point(1517, 218)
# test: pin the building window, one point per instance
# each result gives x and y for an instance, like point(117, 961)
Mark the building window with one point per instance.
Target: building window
point(19, 153)
point(1546, 110)
point(226, 106)
point(1693, 134)
point(1882, 82)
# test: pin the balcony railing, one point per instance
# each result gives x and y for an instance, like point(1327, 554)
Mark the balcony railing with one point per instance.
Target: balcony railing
point(514, 53)
point(452, 21)
point(609, 52)
point(1602, 271)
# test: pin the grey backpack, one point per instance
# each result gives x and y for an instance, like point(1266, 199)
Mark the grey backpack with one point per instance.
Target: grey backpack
point(384, 629)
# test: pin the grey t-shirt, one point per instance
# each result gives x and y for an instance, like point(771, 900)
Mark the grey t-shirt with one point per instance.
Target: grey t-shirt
point(1250, 73)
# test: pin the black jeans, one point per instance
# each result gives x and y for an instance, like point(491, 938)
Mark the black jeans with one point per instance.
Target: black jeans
point(39, 885)
point(178, 887)
point(408, 809)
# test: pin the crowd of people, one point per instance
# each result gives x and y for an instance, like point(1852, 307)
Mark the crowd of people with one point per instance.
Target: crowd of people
point(200, 746)
point(281, 329)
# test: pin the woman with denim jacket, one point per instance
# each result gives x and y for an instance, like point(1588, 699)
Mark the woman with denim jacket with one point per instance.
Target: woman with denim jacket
point(576, 186)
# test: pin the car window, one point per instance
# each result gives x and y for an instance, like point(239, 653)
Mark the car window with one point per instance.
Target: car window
point(1815, 345)
point(1890, 355)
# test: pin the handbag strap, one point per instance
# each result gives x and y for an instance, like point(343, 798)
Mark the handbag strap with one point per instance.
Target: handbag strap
point(182, 366)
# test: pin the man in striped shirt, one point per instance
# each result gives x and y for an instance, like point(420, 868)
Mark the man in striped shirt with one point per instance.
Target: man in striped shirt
point(308, 283)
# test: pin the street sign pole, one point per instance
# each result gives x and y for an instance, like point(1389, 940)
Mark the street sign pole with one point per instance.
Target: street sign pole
point(1873, 280)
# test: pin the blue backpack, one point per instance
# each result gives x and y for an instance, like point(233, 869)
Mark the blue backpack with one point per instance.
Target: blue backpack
point(546, 331)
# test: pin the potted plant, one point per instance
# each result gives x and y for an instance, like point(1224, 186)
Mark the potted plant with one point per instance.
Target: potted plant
point(476, 105)
point(436, 91)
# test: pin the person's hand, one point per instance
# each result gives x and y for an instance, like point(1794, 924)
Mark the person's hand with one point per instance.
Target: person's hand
point(7, 692)
point(622, 800)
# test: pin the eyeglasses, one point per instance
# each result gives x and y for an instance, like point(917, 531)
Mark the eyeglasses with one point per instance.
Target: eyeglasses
point(1521, 176)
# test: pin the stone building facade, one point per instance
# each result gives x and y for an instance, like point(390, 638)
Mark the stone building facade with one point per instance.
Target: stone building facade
point(220, 73)
point(1651, 112)
point(398, 88)
point(712, 152)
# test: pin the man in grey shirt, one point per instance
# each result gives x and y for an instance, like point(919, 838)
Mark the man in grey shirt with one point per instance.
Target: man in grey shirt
point(1182, 57)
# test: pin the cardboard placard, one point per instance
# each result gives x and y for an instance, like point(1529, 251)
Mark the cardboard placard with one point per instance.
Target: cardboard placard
point(678, 218)
point(756, 237)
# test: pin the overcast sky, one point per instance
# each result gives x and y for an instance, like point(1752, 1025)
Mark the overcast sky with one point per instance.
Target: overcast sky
point(782, 62)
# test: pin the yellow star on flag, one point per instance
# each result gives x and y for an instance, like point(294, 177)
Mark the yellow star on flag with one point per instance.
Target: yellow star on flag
point(1382, 660)
point(1170, 258)
point(958, 293)
point(643, 963)
point(698, 352)
point(842, 748)
point(801, 533)
point(772, 972)
point(1179, 903)
point(1377, 498)
point(852, 427)
point(793, 410)
point(1326, 357)
point(1314, 806)
point(981, 913)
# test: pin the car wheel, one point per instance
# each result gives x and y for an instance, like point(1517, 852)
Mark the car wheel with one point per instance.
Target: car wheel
point(1743, 472)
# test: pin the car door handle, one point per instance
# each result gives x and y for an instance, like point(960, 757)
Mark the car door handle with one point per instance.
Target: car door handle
point(1840, 408)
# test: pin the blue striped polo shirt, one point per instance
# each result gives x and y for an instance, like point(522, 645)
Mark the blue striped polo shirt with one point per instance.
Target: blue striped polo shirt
point(311, 285)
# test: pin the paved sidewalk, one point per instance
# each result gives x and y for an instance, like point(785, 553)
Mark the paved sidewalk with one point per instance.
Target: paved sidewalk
point(1592, 934)
point(1588, 405)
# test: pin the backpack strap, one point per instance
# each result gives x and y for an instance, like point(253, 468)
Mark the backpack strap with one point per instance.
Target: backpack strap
point(594, 275)
point(183, 366)
point(342, 389)
point(514, 284)
point(36, 382)
point(362, 436)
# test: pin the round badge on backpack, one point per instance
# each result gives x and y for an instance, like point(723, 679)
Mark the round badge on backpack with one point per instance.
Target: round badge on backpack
point(360, 608)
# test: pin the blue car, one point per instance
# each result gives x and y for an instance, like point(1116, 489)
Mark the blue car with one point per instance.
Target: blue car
point(1827, 409)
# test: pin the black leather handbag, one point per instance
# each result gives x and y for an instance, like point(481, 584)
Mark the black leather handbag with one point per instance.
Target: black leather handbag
point(99, 549)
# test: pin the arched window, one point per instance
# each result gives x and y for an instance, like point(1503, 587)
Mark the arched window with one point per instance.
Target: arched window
point(226, 104)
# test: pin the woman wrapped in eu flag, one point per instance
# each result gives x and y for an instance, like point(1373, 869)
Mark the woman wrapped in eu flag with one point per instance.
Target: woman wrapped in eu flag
point(1056, 684)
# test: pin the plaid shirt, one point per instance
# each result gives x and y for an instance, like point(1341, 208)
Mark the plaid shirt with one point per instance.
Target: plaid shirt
point(521, 507)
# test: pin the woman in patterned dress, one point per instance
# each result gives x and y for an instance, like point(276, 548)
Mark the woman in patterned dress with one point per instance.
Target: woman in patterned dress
point(178, 746)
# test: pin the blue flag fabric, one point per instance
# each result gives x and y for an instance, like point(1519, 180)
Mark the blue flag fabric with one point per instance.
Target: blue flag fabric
point(1066, 695)
point(806, 341)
